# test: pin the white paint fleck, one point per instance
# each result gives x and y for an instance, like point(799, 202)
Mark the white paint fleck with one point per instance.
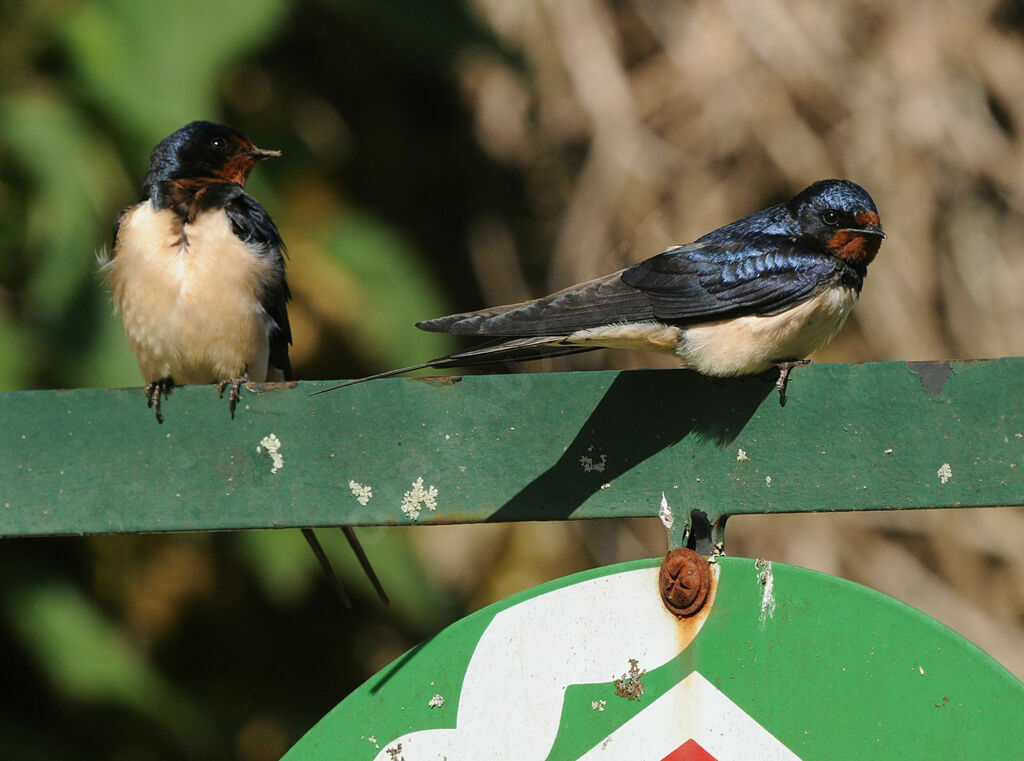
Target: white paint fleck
point(272, 444)
point(741, 456)
point(605, 486)
point(419, 495)
point(373, 741)
point(888, 451)
point(363, 494)
point(766, 579)
point(436, 702)
point(598, 705)
point(921, 669)
point(944, 472)
point(665, 513)
point(768, 481)
point(589, 465)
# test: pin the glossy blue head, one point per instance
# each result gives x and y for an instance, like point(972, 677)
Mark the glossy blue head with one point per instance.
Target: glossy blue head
point(204, 151)
point(835, 217)
point(840, 216)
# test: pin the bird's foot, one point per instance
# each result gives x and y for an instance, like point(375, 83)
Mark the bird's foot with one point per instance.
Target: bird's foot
point(785, 365)
point(234, 394)
point(155, 390)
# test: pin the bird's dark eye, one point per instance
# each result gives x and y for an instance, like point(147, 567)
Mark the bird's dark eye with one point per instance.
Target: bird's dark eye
point(830, 217)
point(218, 143)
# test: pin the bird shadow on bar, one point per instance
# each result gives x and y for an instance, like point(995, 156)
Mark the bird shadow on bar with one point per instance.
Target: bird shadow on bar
point(641, 413)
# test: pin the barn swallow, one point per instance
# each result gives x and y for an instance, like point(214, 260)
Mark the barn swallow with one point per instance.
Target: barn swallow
point(766, 290)
point(197, 268)
point(197, 272)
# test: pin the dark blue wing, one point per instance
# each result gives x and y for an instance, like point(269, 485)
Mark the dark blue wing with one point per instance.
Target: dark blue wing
point(704, 281)
point(699, 282)
point(253, 225)
point(604, 301)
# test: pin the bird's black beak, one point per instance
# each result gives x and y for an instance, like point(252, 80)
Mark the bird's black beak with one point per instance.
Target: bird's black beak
point(872, 231)
point(258, 154)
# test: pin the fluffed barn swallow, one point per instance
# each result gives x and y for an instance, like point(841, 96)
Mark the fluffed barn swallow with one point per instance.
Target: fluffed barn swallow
point(197, 268)
point(766, 290)
point(197, 272)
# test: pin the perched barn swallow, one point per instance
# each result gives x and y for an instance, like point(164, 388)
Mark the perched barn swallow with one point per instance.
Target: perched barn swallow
point(197, 268)
point(197, 272)
point(766, 290)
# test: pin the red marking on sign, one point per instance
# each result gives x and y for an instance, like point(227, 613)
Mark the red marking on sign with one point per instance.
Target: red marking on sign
point(689, 751)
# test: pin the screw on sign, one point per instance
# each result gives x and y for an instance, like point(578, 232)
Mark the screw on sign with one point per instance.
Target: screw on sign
point(685, 582)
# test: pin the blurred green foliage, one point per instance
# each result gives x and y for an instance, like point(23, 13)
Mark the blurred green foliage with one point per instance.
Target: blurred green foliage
point(389, 272)
point(88, 660)
point(191, 647)
point(146, 64)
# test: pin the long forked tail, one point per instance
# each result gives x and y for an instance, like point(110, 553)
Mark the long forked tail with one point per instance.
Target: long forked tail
point(328, 569)
point(325, 564)
point(516, 350)
point(386, 374)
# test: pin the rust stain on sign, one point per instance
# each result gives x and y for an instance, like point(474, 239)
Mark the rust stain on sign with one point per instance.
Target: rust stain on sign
point(265, 388)
point(438, 380)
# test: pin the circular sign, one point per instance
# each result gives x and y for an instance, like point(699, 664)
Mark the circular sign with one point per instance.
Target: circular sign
point(781, 663)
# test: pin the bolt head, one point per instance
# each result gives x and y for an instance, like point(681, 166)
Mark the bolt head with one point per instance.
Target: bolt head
point(685, 582)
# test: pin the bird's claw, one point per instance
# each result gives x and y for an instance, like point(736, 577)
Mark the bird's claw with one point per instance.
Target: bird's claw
point(784, 367)
point(234, 394)
point(154, 391)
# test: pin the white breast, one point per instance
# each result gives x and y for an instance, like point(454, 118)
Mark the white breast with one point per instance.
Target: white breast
point(188, 297)
point(746, 345)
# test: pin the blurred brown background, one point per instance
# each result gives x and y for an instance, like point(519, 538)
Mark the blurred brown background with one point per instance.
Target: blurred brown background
point(443, 157)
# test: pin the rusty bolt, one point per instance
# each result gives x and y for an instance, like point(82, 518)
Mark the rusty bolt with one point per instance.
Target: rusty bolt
point(685, 582)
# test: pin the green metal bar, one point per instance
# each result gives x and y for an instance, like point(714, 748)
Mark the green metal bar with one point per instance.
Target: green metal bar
point(515, 447)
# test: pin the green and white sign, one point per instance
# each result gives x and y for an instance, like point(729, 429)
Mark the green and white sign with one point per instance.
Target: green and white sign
point(781, 664)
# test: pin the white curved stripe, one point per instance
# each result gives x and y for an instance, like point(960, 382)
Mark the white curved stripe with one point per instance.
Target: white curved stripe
point(511, 698)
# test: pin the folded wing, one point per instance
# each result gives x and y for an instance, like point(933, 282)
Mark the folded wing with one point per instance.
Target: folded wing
point(684, 285)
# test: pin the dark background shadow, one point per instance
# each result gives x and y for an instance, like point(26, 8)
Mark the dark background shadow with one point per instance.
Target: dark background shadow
point(642, 413)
